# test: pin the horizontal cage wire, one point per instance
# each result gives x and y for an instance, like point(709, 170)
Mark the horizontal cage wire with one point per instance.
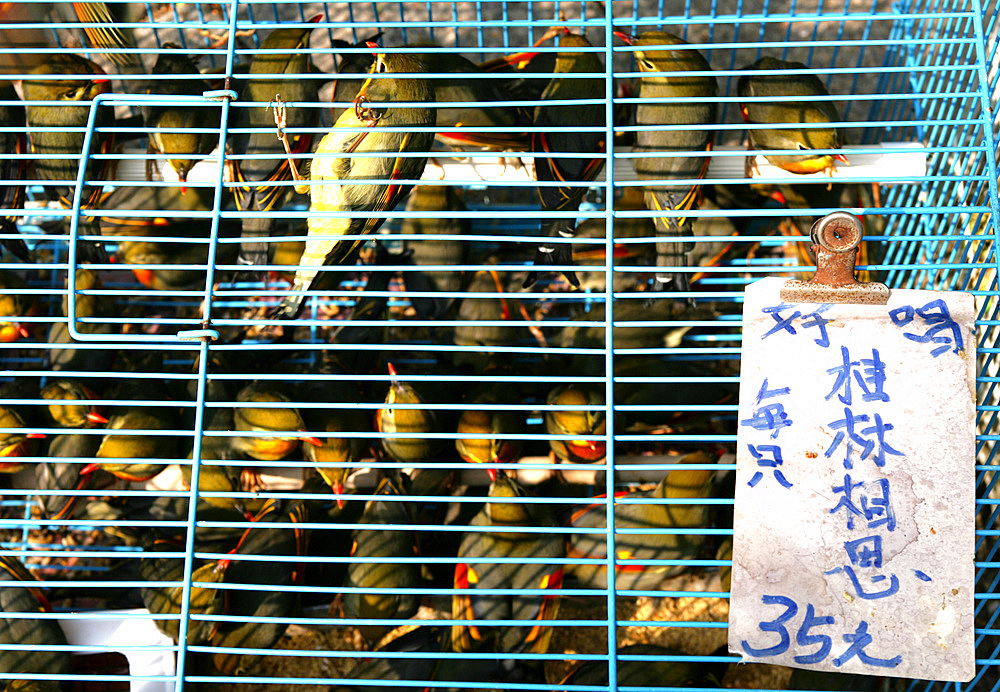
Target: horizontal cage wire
point(307, 305)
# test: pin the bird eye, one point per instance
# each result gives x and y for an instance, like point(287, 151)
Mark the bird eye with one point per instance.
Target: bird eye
point(648, 66)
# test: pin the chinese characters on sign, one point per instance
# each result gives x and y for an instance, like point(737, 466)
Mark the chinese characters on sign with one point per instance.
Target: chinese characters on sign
point(855, 485)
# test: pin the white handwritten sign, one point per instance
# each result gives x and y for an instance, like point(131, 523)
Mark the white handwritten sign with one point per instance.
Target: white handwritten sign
point(855, 485)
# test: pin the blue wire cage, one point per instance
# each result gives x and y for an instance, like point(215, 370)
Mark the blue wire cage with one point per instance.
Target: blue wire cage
point(173, 329)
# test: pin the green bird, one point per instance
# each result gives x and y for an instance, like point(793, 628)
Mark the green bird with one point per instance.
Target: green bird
point(168, 600)
point(484, 449)
point(17, 444)
point(263, 176)
point(335, 448)
point(412, 421)
point(571, 174)
point(66, 353)
point(231, 477)
point(274, 600)
point(584, 425)
point(59, 475)
point(14, 168)
point(432, 200)
point(328, 175)
point(260, 419)
point(353, 68)
point(15, 304)
point(140, 456)
point(473, 311)
point(383, 542)
point(686, 106)
point(136, 452)
point(461, 126)
point(475, 571)
point(679, 484)
point(36, 633)
point(65, 104)
point(803, 140)
point(174, 129)
point(77, 414)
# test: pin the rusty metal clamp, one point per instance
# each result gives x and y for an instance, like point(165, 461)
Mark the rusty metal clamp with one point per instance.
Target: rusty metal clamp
point(835, 241)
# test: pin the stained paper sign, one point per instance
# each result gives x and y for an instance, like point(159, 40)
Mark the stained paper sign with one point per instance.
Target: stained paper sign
point(855, 485)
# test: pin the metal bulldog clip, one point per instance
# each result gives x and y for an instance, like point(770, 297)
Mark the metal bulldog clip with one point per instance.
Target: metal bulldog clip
point(835, 241)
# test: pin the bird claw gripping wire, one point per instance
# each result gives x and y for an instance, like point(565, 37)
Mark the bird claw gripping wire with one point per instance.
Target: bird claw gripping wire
point(365, 113)
point(281, 122)
point(280, 118)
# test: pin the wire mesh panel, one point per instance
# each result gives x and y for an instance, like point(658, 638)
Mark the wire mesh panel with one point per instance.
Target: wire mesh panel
point(331, 328)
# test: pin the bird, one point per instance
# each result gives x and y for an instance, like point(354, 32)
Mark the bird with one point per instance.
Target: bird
point(78, 414)
point(474, 311)
point(678, 484)
point(143, 254)
point(786, 83)
point(168, 600)
point(14, 445)
point(432, 200)
point(136, 452)
point(184, 144)
point(462, 126)
point(66, 353)
point(65, 105)
point(230, 477)
point(275, 601)
point(258, 167)
point(373, 199)
point(571, 174)
point(12, 169)
point(281, 419)
point(484, 449)
point(18, 597)
point(367, 570)
point(410, 421)
point(15, 304)
point(337, 449)
point(584, 425)
point(688, 104)
point(476, 571)
point(52, 474)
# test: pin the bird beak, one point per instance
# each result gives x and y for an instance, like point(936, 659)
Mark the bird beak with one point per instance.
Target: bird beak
point(35, 436)
point(95, 417)
point(317, 18)
point(314, 441)
point(627, 38)
point(338, 488)
point(492, 473)
point(374, 46)
point(841, 158)
point(89, 468)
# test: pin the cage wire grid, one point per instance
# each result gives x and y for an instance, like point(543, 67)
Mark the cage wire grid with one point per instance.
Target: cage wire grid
point(169, 332)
